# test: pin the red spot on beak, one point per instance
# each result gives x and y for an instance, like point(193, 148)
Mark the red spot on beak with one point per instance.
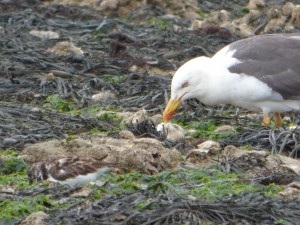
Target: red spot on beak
point(170, 109)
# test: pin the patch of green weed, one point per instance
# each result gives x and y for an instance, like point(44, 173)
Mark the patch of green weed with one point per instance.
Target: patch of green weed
point(283, 222)
point(58, 103)
point(246, 147)
point(205, 129)
point(114, 79)
point(110, 117)
point(159, 23)
point(201, 13)
point(220, 135)
point(8, 152)
point(12, 165)
point(17, 180)
point(208, 184)
point(12, 210)
point(245, 10)
point(87, 111)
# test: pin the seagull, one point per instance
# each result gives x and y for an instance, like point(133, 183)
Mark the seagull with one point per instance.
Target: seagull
point(260, 73)
point(68, 170)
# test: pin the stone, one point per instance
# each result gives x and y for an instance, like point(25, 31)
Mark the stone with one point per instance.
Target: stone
point(104, 96)
point(156, 119)
point(36, 218)
point(225, 128)
point(254, 4)
point(45, 35)
point(144, 155)
point(174, 132)
point(212, 147)
point(65, 48)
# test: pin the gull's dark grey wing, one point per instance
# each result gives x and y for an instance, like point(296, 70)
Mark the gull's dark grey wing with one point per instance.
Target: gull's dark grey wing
point(274, 59)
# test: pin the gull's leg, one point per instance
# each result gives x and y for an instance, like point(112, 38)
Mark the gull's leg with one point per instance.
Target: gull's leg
point(266, 121)
point(278, 120)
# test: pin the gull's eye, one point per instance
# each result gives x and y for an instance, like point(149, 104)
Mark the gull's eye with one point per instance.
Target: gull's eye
point(185, 84)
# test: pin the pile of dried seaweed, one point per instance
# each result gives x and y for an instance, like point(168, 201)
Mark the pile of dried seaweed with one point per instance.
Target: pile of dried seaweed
point(277, 140)
point(21, 125)
point(111, 48)
point(164, 208)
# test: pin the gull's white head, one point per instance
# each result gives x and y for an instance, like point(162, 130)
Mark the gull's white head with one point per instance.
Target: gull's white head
point(189, 81)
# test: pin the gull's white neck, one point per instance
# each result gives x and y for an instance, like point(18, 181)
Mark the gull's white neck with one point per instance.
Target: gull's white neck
point(224, 87)
point(220, 87)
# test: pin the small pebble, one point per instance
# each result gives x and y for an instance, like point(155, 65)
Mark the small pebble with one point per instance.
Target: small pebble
point(139, 116)
point(225, 128)
point(212, 146)
point(104, 95)
point(174, 131)
point(9, 141)
point(44, 34)
point(126, 134)
point(65, 48)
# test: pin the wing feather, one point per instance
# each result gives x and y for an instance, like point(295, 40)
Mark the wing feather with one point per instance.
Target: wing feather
point(273, 59)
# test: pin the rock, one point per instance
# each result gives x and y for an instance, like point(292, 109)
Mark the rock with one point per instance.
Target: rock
point(145, 155)
point(244, 30)
point(281, 18)
point(255, 4)
point(54, 148)
point(212, 147)
point(156, 119)
point(49, 77)
point(219, 17)
point(65, 48)
point(295, 184)
point(35, 109)
point(197, 24)
point(125, 115)
point(295, 17)
point(109, 5)
point(203, 155)
point(120, 7)
point(36, 218)
point(140, 116)
point(104, 96)
point(225, 128)
point(293, 164)
point(82, 192)
point(174, 132)
point(9, 141)
point(292, 191)
point(137, 117)
point(200, 158)
point(275, 24)
point(287, 9)
point(232, 152)
point(126, 134)
point(45, 35)
point(273, 13)
point(257, 162)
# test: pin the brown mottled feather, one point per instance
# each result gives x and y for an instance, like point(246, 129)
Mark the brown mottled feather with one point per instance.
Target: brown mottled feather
point(64, 168)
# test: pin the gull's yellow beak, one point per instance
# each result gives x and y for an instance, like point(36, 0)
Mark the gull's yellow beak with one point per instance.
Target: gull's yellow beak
point(170, 109)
